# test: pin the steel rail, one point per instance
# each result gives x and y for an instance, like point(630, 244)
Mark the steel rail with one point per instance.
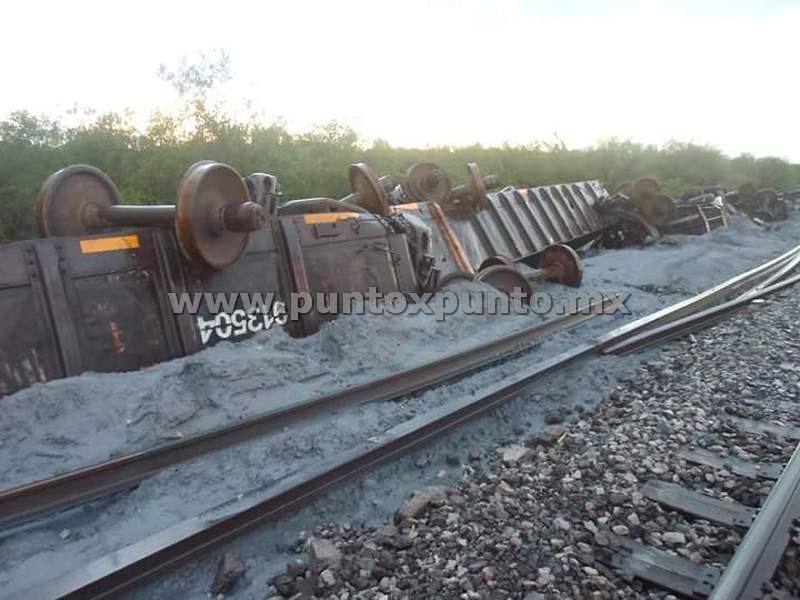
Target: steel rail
point(699, 320)
point(777, 275)
point(702, 300)
point(762, 547)
point(117, 572)
point(83, 485)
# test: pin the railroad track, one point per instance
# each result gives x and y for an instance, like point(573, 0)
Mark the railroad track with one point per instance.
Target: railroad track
point(123, 569)
point(26, 502)
point(768, 528)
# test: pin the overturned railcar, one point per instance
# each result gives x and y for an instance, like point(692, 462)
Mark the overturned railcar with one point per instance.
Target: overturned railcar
point(514, 223)
point(112, 287)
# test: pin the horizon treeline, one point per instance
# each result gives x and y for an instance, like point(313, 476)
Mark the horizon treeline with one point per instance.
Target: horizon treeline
point(147, 164)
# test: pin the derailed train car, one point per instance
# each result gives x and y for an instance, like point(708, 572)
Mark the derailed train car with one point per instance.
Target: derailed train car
point(98, 292)
point(472, 229)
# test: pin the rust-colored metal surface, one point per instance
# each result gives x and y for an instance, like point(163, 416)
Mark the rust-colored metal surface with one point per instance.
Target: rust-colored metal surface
point(427, 182)
point(772, 205)
point(644, 187)
point(696, 220)
point(453, 243)
point(474, 191)
point(658, 209)
point(640, 212)
point(447, 252)
point(214, 215)
point(764, 205)
point(477, 187)
point(561, 264)
point(71, 197)
point(367, 190)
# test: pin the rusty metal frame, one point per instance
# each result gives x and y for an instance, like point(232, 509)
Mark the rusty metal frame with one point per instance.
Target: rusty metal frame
point(456, 249)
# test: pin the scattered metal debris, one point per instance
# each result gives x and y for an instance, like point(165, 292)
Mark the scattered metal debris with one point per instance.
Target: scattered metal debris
point(640, 212)
point(766, 204)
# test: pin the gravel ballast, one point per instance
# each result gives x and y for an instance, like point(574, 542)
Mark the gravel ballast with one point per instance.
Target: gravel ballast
point(533, 518)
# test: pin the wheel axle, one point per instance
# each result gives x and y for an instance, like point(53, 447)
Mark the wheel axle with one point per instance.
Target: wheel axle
point(213, 216)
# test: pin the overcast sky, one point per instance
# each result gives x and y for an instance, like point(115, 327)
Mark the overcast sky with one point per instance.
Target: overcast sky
point(435, 72)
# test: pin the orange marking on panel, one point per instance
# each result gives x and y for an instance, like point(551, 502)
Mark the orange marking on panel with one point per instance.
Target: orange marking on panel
point(108, 244)
point(314, 218)
point(412, 206)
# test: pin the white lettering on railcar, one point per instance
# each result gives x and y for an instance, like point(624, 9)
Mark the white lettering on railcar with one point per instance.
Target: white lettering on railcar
point(240, 322)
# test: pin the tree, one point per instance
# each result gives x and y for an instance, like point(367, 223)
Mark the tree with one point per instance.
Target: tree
point(195, 80)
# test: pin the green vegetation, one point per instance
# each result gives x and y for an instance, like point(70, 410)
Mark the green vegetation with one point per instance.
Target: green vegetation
point(147, 165)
